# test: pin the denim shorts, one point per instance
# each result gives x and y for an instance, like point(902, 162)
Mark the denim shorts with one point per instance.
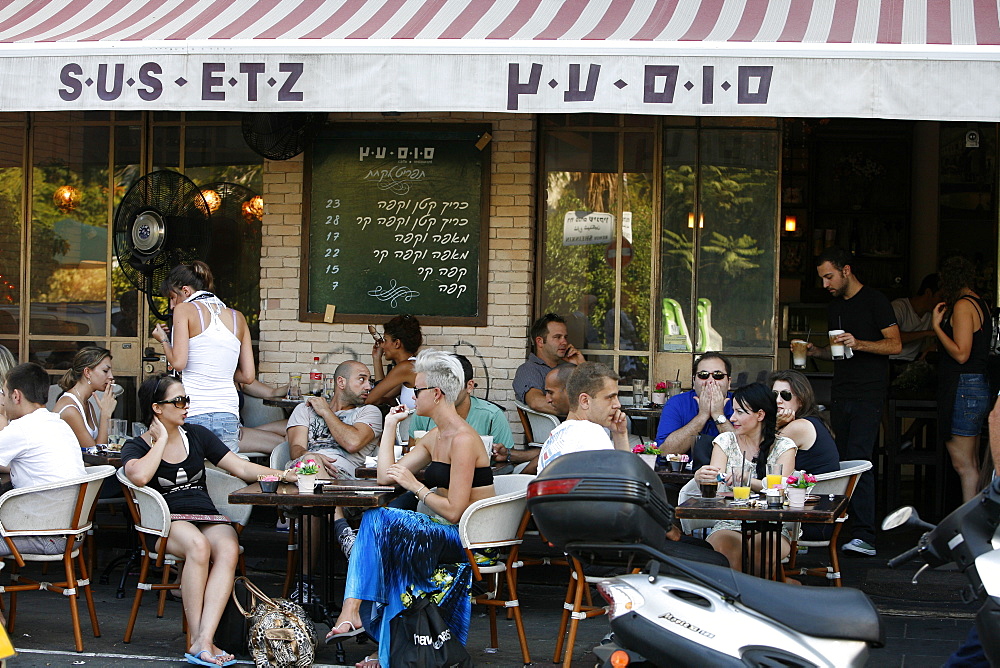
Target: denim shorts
point(972, 403)
point(224, 425)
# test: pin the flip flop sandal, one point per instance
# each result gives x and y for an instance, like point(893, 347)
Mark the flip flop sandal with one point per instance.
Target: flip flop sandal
point(226, 663)
point(197, 660)
point(369, 662)
point(336, 636)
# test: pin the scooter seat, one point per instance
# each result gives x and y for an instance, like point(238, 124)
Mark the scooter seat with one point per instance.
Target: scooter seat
point(824, 612)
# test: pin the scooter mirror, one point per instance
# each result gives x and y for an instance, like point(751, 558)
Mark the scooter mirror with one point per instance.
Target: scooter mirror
point(898, 517)
point(905, 516)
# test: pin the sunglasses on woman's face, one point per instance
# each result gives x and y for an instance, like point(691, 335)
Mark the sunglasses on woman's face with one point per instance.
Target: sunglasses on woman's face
point(717, 375)
point(784, 394)
point(418, 390)
point(178, 402)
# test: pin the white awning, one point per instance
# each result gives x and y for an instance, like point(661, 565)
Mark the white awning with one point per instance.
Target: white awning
point(916, 59)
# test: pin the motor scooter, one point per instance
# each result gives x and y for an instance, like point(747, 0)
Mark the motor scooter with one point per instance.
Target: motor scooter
point(609, 505)
point(969, 537)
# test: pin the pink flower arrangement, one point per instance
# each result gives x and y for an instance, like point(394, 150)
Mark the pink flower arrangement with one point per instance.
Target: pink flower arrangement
point(647, 449)
point(306, 467)
point(660, 387)
point(806, 480)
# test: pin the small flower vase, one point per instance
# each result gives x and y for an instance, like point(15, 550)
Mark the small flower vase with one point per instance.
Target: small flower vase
point(650, 460)
point(659, 398)
point(306, 483)
point(796, 496)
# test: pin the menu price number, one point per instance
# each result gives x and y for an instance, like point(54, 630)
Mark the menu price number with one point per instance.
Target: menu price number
point(332, 220)
point(333, 204)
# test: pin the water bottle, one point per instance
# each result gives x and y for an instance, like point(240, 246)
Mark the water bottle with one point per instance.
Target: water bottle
point(316, 379)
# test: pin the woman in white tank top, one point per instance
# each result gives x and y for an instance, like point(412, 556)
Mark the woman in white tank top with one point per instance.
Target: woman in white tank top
point(210, 344)
point(91, 372)
point(400, 345)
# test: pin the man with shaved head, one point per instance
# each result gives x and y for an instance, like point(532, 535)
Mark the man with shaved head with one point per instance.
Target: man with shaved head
point(341, 432)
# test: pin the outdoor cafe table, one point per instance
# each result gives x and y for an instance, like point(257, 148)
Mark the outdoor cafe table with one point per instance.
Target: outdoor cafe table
point(343, 493)
point(763, 522)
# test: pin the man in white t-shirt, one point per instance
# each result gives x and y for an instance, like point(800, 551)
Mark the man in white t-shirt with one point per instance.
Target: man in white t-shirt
point(592, 390)
point(913, 315)
point(37, 447)
point(341, 432)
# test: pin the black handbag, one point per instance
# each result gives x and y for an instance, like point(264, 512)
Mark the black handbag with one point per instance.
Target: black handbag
point(421, 639)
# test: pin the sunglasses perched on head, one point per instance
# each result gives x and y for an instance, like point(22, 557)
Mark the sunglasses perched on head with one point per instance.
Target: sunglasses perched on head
point(178, 402)
point(784, 394)
point(717, 375)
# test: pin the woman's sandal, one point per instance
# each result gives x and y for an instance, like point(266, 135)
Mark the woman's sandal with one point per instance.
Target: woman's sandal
point(336, 636)
point(198, 661)
point(369, 662)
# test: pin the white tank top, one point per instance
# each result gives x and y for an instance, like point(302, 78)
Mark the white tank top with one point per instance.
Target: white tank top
point(212, 359)
point(79, 406)
point(406, 394)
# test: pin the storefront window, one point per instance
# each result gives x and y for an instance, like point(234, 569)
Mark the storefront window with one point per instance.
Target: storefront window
point(708, 209)
point(596, 265)
point(69, 231)
point(11, 219)
point(213, 155)
point(718, 241)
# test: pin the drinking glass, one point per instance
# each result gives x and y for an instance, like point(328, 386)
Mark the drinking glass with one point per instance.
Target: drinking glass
point(775, 475)
point(294, 386)
point(329, 385)
point(117, 431)
point(741, 475)
point(638, 392)
point(138, 429)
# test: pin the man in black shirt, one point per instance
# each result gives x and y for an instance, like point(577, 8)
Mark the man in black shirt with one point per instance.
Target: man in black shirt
point(860, 381)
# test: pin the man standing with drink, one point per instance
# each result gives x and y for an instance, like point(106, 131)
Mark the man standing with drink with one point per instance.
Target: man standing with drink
point(863, 335)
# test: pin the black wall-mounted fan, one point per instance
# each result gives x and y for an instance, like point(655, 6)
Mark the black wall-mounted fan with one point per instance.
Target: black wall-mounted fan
point(162, 221)
point(280, 135)
point(236, 217)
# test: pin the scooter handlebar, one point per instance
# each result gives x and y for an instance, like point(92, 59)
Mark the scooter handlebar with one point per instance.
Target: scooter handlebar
point(907, 556)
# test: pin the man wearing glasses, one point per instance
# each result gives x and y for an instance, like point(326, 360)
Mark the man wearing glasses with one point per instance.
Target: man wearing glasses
point(37, 447)
point(703, 411)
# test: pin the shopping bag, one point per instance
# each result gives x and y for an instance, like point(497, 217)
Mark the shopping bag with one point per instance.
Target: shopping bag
point(421, 639)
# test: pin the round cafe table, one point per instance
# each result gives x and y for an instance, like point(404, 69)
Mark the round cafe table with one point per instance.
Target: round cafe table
point(282, 402)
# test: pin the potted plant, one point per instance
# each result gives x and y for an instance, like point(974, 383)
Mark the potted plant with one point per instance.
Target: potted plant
point(306, 470)
point(797, 486)
point(659, 395)
point(649, 452)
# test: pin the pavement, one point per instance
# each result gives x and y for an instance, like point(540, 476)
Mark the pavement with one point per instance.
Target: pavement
point(924, 623)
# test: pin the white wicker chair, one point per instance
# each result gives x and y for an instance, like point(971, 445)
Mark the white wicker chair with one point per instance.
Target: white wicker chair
point(837, 482)
point(537, 426)
point(497, 522)
point(64, 509)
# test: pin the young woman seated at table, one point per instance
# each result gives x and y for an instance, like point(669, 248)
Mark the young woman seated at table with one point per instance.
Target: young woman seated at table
point(753, 439)
point(799, 419)
point(170, 458)
point(91, 371)
point(398, 549)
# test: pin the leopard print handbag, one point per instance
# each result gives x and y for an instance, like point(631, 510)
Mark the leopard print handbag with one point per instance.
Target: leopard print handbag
point(281, 634)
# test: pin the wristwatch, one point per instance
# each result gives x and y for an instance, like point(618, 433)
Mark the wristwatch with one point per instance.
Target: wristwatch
point(721, 419)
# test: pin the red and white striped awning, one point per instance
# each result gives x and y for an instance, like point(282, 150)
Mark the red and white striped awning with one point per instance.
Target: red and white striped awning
point(882, 58)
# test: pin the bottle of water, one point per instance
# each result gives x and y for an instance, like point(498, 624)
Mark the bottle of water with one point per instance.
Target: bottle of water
point(316, 379)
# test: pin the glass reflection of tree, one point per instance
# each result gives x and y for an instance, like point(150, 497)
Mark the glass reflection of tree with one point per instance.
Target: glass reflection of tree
point(570, 272)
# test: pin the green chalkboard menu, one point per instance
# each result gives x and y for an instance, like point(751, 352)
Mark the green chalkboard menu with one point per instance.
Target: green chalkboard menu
point(395, 223)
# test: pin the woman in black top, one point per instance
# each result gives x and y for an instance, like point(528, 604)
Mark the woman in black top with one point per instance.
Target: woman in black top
point(799, 420)
point(170, 458)
point(963, 390)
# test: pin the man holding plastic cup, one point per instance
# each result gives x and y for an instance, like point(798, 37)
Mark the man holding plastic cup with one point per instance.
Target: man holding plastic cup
point(863, 335)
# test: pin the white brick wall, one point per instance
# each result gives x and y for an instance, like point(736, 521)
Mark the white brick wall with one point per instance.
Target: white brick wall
point(289, 345)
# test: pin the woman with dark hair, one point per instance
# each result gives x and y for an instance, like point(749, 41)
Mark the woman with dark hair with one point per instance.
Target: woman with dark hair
point(212, 348)
point(397, 552)
point(170, 458)
point(400, 346)
point(753, 439)
point(799, 419)
point(90, 372)
point(963, 394)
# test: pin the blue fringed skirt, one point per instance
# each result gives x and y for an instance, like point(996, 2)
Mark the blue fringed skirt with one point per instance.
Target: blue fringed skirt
point(399, 554)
